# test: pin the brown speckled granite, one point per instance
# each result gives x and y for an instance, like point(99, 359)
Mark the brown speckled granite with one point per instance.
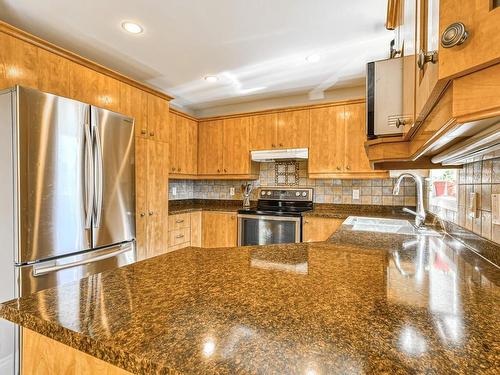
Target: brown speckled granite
point(189, 205)
point(343, 211)
point(421, 305)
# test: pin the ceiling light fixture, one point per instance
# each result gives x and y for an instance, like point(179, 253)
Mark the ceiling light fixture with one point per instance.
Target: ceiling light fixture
point(211, 79)
point(132, 27)
point(313, 58)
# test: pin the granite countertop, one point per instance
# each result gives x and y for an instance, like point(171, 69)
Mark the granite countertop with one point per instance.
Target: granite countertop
point(367, 303)
point(191, 205)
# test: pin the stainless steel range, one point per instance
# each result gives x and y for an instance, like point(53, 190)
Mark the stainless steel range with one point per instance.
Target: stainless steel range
point(277, 217)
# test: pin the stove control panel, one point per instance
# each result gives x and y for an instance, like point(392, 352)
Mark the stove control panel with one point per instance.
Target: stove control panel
point(287, 194)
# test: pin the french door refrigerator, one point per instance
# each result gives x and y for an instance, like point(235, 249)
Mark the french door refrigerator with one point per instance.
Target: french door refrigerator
point(67, 197)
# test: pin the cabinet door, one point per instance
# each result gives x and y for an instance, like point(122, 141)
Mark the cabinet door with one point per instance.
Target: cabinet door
point(141, 204)
point(191, 163)
point(185, 145)
point(219, 229)
point(319, 228)
point(356, 159)
point(408, 36)
point(157, 192)
point(173, 145)
point(293, 129)
point(482, 48)
point(236, 155)
point(210, 147)
point(18, 63)
point(158, 114)
point(327, 149)
point(196, 228)
point(263, 131)
point(53, 73)
point(134, 103)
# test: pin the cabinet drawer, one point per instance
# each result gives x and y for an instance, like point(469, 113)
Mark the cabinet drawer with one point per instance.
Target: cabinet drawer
point(179, 236)
point(179, 221)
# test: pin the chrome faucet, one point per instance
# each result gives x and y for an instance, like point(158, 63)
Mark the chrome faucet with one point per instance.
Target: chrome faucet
point(420, 214)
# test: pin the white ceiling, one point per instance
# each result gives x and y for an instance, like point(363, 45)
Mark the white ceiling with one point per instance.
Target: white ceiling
point(256, 47)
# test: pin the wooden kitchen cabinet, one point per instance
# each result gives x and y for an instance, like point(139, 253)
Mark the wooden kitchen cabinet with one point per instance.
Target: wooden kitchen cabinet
point(158, 115)
point(220, 229)
point(482, 47)
point(337, 143)
point(293, 129)
point(236, 154)
point(134, 103)
point(183, 146)
point(151, 197)
point(263, 131)
point(53, 73)
point(210, 147)
point(408, 31)
point(196, 228)
point(18, 63)
point(319, 228)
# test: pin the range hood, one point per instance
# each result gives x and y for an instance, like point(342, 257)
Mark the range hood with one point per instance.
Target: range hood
point(284, 154)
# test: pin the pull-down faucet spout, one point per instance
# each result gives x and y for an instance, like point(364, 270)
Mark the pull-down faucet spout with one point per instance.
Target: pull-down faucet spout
point(420, 214)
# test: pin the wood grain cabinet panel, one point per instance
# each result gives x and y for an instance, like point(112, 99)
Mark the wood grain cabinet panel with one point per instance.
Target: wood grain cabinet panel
point(210, 147)
point(236, 154)
point(319, 228)
point(141, 202)
point(158, 116)
point(134, 103)
point(219, 229)
point(18, 63)
point(263, 131)
point(183, 145)
point(196, 228)
point(53, 73)
point(356, 159)
point(293, 129)
point(327, 145)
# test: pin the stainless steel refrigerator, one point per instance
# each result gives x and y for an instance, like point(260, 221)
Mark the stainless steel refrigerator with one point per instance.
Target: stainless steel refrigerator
point(67, 196)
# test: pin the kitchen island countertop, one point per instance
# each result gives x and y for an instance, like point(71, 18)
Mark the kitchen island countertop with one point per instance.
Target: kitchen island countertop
point(369, 303)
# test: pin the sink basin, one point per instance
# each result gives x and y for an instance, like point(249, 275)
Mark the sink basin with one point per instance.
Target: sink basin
point(380, 225)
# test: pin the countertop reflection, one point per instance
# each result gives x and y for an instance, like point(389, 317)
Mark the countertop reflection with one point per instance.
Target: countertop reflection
point(394, 303)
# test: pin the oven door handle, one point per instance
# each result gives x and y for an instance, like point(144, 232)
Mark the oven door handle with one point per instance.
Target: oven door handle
point(270, 217)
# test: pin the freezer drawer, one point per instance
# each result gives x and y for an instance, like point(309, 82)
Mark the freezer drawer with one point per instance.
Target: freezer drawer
point(47, 274)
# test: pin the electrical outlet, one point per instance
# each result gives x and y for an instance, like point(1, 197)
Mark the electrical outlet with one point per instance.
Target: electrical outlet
point(231, 191)
point(472, 207)
point(495, 209)
point(355, 194)
point(174, 191)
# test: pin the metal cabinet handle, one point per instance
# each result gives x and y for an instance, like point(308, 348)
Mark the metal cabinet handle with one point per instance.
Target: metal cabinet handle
point(281, 144)
point(454, 35)
point(178, 221)
point(143, 131)
point(425, 57)
point(273, 145)
point(152, 134)
point(173, 169)
point(218, 170)
point(306, 222)
point(151, 213)
point(178, 169)
point(225, 170)
point(348, 168)
point(179, 236)
point(142, 214)
point(338, 168)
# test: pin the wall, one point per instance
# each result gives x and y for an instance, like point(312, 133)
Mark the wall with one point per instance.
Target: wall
point(482, 177)
point(377, 191)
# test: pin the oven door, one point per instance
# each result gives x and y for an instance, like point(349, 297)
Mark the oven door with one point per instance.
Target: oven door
point(267, 230)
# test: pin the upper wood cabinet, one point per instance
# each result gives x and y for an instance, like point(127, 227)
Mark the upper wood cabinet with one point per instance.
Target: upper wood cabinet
point(408, 37)
point(338, 134)
point(481, 19)
point(53, 73)
point(183, 145)
point(326, 154)
point(293, 129)
point(158, 115)
point(18, 63)
point(210, 147)
point(263, 131)
point(236, 155)
point(134, 103)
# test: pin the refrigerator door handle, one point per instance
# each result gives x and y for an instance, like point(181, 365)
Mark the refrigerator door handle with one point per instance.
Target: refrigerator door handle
point(43, 270)
point(89, 177)
point(99, 176)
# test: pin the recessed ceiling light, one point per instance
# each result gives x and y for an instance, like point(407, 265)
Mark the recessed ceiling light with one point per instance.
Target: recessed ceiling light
point(313, 58)
point(211, 78)
point(132, 27)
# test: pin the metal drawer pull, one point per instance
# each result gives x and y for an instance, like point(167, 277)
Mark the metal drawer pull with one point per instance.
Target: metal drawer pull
point(179, 236)
point(426, 57)
point(178, 221)
point(454, 35)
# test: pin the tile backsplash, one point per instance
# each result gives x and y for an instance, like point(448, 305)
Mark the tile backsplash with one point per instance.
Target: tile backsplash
point(483, 178)
point(376, 191)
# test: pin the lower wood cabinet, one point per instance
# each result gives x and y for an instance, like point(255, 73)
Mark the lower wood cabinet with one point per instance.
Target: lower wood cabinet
point(220, 229)
point(184, 230)
point(319, 228)
point(151, 197)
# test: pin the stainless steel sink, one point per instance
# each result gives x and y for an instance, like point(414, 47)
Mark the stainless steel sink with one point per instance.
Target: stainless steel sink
point(381, 225)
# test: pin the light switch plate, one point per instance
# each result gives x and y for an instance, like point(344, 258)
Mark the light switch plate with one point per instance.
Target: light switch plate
point(231, 191)
point(495, 209)
point(355, 194)
point(472, 206)
point(174, 191)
